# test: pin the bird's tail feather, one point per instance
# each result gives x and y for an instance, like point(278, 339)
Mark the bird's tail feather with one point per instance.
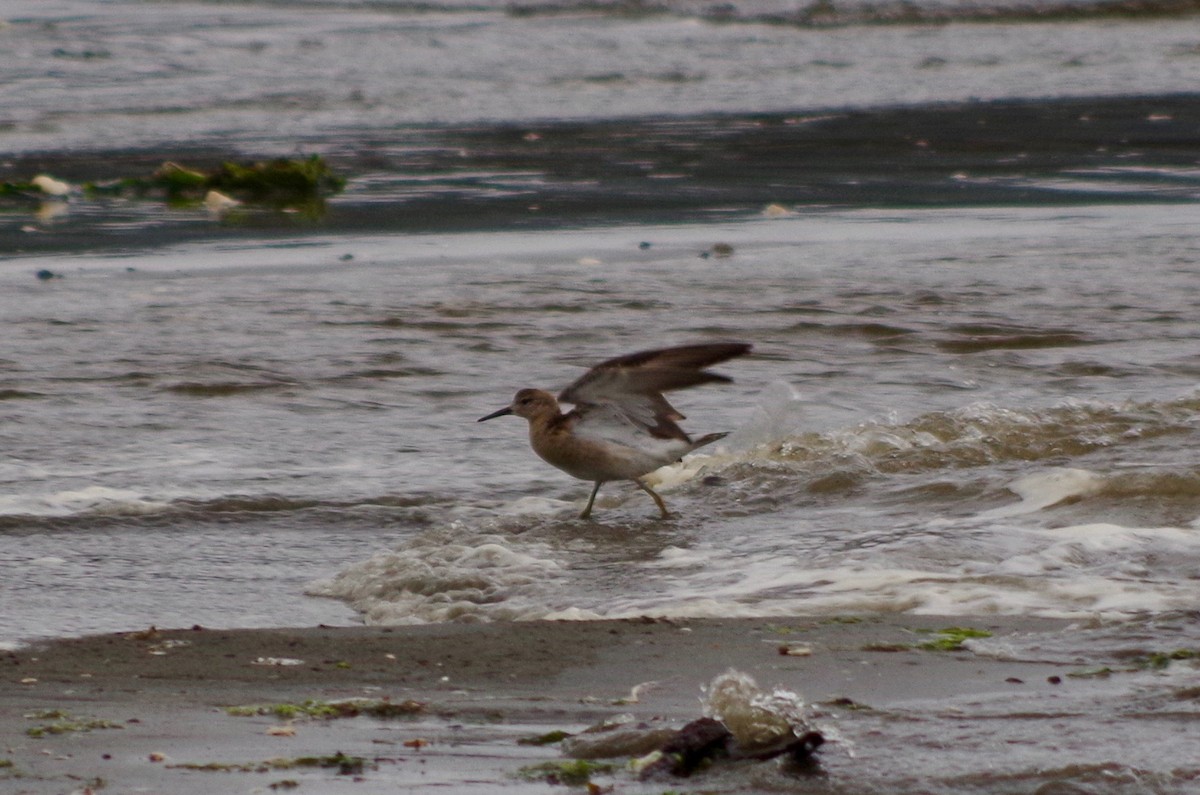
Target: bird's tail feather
point(708, 438)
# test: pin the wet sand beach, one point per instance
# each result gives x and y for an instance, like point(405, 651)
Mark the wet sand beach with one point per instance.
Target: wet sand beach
point(145, 711)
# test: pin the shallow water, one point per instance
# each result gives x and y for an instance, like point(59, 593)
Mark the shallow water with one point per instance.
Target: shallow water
point(951, 411)
point(964, 253)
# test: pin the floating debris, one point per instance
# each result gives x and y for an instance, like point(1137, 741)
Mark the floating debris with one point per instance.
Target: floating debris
point(948, 639)
point(50, 186)
point(706, 741)
point(346, 765)
point(329, 710)
point(161, 648)
point(718, 250)
point(62, 722)
point(280, 181)
point(631, 741)
point(742, 723)
point(1163, 659)
point(283, 183)
point(217, 202)
point(549, 738)
point(635, 694)
point(952, 638)
point(696, 744)
point(573, 773)
point(795, 650)
point(282, 662)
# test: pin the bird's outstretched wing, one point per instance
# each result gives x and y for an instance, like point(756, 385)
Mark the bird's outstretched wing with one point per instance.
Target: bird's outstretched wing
point(632, 385)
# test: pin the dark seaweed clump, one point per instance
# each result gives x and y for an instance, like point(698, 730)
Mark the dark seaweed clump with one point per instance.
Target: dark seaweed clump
point(282, 183)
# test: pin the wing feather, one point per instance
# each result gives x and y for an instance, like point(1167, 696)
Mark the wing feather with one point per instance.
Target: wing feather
point(632, 385)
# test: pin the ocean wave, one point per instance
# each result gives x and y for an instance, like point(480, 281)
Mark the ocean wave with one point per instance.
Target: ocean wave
point(963, 460)
point(94, 506)
point(981, 434)
point(224, 388)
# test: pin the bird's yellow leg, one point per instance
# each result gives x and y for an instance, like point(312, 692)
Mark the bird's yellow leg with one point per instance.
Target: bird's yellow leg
point(587, 511)
point(662, 506)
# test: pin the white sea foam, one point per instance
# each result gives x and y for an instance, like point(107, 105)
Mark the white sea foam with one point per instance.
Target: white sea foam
point(677, 474)
point(925, 593)
point(998, 562)
point(755, 717)
point(1090, 570)
point(526, 506)
point(435, 578)
point(90, 499)
point(1048, 488)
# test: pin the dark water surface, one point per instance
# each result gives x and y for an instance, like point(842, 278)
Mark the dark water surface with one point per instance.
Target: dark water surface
point(549, 175)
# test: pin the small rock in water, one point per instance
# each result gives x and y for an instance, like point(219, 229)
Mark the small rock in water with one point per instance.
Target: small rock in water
point(695, 744)
point(46, 275)
point(718, 250)
point(628, 741)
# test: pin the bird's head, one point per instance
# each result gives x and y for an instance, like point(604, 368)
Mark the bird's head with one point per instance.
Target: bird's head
point(528, 403)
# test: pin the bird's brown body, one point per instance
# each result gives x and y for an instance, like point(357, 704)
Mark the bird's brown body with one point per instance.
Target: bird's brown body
point(621, 427)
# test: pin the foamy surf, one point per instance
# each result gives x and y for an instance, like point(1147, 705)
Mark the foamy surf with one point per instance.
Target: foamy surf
point(924, 516)
point(1094, 571)
point(449, 576)
point(95, 500)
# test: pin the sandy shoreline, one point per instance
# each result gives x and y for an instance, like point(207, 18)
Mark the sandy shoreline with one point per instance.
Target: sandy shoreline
point(142, 712)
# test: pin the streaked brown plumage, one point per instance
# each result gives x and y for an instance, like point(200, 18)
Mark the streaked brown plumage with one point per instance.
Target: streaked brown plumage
point(621, 427)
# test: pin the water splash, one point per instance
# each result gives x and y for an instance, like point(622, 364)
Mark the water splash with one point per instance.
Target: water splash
point(757, 718)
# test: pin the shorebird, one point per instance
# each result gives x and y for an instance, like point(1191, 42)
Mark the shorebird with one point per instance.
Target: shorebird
point(621, 427)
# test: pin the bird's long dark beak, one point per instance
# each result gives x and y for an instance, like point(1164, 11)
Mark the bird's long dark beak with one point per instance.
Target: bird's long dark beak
point(495, 414)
